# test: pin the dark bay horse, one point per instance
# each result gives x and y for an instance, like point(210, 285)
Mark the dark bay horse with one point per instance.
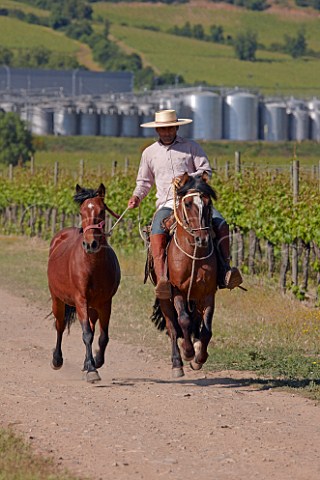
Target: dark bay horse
point(83, 276)
point(192, 269)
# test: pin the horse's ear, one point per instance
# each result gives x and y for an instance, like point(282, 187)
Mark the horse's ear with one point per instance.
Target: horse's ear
point(101, 191)
point(78, 188)
point(205, 177)
point(179, 181)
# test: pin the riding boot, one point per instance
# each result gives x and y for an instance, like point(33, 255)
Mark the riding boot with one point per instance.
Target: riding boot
point(232, 277)
point(158, 248)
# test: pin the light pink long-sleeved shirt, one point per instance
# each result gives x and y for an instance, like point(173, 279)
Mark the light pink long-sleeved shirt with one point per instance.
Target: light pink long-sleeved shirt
point(160, 164)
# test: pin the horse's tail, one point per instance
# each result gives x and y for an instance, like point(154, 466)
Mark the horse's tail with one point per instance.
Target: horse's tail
point(157, 316)
point(158, 319)
point(69, 315)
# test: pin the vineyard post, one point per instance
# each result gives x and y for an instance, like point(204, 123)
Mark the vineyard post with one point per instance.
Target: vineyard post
point(81, 171)
point(126, 165)
point(295, 184)
point(32, 165)
point(10, 172)
point(215, 165)
point(227, 170)
point(56, 173)
point(237, 162)
point(114, 168)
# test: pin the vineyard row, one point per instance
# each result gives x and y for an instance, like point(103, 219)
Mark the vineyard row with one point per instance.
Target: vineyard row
point(274, 218)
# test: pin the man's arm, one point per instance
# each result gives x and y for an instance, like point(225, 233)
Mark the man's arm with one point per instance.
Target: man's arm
point(144, 182)
point(200, 160)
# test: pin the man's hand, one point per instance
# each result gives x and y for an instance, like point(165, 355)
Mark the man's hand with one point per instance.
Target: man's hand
point(133, 202)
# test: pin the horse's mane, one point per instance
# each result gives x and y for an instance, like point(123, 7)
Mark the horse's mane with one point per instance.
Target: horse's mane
point(84, 194)
point(197, 183)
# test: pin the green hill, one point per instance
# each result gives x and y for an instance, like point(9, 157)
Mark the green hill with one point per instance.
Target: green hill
point(143, 28)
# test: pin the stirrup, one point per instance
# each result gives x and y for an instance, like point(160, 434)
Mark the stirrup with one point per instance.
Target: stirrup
point(233, 278)
point(163, 289)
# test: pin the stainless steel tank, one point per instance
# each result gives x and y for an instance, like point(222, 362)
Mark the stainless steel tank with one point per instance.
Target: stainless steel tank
point(41, 120)
point(65, 120)
point(206, 110)
point(240, 113)
point(273, 121)
point(130, 121)
point(88, 120)
point(109, 120)
point(314, 117)
point(147, 114)
point(299, 122)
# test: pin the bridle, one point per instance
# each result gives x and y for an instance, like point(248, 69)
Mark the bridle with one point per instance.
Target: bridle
point(184, 223)
point(99, 226)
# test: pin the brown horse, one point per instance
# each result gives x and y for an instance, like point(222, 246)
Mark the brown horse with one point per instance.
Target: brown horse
point(83, 276)
point(192, 268)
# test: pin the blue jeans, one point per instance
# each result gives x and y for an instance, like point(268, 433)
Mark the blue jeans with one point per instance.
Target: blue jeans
point(162, 213)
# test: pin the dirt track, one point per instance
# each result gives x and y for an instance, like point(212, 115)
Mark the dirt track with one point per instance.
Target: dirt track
point(137, 423)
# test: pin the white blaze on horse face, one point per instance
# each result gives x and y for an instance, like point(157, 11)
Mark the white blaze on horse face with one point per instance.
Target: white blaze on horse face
point(90, 205)
point(198, 202)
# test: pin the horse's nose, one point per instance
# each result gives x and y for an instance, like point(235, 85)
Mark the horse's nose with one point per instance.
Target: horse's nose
point(90, 247)
point(201, 241)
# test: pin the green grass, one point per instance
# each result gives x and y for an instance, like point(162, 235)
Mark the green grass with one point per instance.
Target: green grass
point(196, 61)
point(10, 4)
point(215, 64)
point(31, 36)
point(102, 151)
point(17, 461)
point(233, 20)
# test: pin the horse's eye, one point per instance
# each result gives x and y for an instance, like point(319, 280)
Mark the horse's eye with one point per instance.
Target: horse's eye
point(188, 204)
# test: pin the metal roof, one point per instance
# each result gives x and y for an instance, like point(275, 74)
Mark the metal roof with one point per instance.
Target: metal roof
point(67, 82)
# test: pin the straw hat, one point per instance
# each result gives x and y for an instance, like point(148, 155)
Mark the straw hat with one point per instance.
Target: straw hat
point(166, 118)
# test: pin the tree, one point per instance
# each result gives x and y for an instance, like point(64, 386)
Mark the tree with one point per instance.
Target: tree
point(296, 46)
point(245, 45)
point(198, 31)
point(216, 34)
point(6, 56)
point(15, 139)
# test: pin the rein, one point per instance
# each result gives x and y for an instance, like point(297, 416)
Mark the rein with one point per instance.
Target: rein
point(101, 225)
point(190, 231)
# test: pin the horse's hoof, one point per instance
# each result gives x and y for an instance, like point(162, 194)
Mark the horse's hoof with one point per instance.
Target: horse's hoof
point(93, 376)
point(56, 366)
point(195, 366)
point(177, 372)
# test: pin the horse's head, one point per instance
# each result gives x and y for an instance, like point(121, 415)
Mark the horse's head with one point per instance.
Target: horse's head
point(92, 211)
point(194, 210)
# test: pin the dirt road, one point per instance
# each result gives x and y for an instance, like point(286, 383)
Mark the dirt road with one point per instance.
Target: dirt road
point(138, 423)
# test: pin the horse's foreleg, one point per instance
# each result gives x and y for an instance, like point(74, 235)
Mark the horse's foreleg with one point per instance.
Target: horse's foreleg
point(104, 317)
point(185, 324)
point(58, 310)
point(201, 345)
point(172, 327)
point(87, 336)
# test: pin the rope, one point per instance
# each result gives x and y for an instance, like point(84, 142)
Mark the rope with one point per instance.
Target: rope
point(192, 256)
point(191, 276)
point(116, 223)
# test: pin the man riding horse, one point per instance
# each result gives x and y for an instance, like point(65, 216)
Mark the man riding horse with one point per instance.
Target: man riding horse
point(162, 163)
